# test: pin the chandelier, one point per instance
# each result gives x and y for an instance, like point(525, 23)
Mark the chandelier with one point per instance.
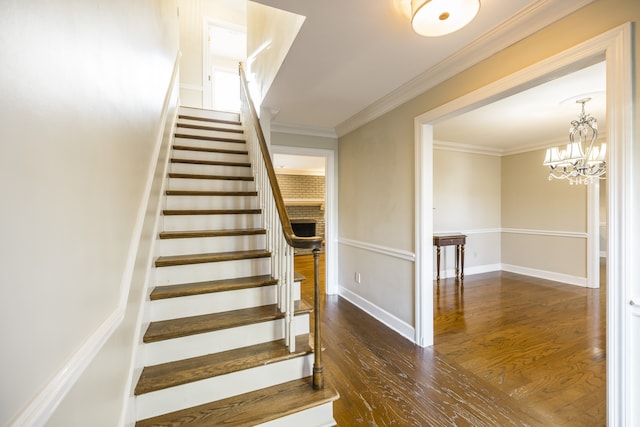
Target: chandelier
point(576, 164)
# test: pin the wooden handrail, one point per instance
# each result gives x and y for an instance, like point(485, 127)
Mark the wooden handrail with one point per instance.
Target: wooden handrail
point(314, 243)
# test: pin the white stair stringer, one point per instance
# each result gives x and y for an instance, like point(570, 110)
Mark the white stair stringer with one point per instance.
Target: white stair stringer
point(211, 222)
point(222, 340)
point(205, 184)
point(318, 416)
point(209, 114)
point(216, 302)
point(184, 246)
point(212, 271)
point(216, 388)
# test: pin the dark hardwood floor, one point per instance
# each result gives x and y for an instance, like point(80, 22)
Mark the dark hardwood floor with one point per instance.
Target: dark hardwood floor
point(510, 350)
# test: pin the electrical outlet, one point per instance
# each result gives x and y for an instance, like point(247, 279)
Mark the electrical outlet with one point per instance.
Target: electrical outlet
point(357, 277)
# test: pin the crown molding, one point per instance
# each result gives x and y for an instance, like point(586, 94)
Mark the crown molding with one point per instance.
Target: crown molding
point(524, 23)
point(290, 128)
point(467, 148)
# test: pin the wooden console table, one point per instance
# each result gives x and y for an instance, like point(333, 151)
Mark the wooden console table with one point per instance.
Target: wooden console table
point(450, 240)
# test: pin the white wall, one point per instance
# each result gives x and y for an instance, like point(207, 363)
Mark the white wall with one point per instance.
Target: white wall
point(83, 85)
point(192, 15)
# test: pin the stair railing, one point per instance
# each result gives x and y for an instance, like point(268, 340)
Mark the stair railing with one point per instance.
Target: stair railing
point(281, 240)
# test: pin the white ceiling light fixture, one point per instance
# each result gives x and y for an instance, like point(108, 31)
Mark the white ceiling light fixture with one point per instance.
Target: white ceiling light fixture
point(432, 18)
point(582, 161)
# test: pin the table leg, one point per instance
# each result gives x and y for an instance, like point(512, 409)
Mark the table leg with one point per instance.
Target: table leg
point(461, 262)
point(457, 260)
point(438, 263)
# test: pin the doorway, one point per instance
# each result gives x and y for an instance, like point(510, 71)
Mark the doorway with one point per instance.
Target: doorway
point(298, 155)
point(615, 47)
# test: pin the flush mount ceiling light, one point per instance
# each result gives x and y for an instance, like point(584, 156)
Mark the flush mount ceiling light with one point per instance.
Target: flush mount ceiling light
point(434, 18)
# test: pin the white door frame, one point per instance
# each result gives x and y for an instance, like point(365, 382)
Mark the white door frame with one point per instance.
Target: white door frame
point(331, 208)
point(616, 47)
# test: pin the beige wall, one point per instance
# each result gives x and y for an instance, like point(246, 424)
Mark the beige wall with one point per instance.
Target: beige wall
point(532, 203)
point(83, 86)
point(467, 199)
point(377, 160)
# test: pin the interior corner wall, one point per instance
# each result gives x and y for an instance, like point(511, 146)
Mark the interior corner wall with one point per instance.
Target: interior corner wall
point(192, 15)
point(467, 199)
point(376, 160)
point(544, 222)
point(82, 112)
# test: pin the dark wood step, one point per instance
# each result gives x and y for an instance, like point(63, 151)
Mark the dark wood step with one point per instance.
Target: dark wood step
point(180, 372)
point(186, 326)
point(212, 128)
point(207, 119)
point(172, 260)
point(211, 233)
point(212, 211)
point(212, 286)
point(218, 177)
point(250, 409)
point(211, 193)
point(210, 162)
point(209, 150)
point(209, 138)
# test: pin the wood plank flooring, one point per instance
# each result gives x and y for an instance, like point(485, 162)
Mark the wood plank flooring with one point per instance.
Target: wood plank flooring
point(510, 351)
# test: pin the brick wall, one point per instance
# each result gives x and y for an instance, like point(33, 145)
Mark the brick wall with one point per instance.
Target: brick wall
point(304, 187)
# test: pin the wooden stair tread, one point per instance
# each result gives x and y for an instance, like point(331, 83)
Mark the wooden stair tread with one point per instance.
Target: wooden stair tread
point(212, 128)
point(208, 150)
point(185, 326)
point(210, 162)
point(208, 119)
point(212, 286)
point(172, 260)
point(198, 368)
point(211, 211)
point(211, 233)
point(250, 409)
point(209, 193)
point(209, 138)
point(202, 176)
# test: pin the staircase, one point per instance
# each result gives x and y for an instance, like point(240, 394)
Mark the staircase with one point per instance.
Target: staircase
point(215, 350)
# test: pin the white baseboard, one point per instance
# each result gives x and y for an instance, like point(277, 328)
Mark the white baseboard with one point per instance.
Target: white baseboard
point(469, 271)
point(40, 409)
point(548, 275)
point(379, 314)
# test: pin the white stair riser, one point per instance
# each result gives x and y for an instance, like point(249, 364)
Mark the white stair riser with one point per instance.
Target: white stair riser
point(173, 308)
point(200, 392)
point(211, 271)
point(211, 222)
point(210, 156)
point(210, 184)
point(194, 305)
point(211, 169)
point(222, 340)
point(229, 126)
point(318, 416)
point(205, 143)
point(210, 244)
point(209, 114)
point(210, 133)
point(211, 202)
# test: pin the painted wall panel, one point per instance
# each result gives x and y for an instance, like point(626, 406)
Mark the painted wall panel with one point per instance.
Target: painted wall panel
point(83, 90)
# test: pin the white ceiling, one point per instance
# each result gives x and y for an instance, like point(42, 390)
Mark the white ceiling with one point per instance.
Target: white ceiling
point(538, 117)
point(350, 55)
